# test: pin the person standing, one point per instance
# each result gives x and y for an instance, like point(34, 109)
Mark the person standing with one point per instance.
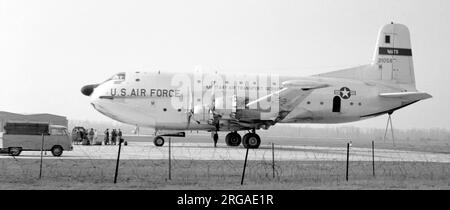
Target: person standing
point(96, 137)
point(113, 137)
point(81, 135)
point(120, 136)
point(91, 136)
point(107, 136)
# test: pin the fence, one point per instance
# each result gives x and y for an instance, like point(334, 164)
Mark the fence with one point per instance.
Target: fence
point(269, 166)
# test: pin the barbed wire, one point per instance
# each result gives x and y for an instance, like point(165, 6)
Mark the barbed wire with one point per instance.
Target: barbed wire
point(224, 169)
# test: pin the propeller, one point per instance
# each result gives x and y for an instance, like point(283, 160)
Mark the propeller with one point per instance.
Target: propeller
point(190, 110)
point(212, 104)
point(212, 107)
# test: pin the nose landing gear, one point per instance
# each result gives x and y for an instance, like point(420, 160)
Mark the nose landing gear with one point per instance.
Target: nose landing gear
point(159, 140)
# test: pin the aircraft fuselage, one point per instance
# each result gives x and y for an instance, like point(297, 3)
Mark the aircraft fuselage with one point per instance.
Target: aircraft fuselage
point(147, 99)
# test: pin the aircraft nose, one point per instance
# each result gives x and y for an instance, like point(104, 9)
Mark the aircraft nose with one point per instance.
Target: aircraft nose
point(87, 90)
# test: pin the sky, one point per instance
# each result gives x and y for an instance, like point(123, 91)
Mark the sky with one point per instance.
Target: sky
point(49, 49)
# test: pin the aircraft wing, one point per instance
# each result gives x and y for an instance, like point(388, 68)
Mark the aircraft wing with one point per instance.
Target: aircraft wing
point(304, 85)
point(407, 96)
point(292, 94)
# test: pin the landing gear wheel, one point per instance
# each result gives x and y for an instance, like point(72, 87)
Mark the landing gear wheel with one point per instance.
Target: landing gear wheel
point(251, 141)
point(158, 141)
point(57, 151)
point(15, 151)
point(233, 139)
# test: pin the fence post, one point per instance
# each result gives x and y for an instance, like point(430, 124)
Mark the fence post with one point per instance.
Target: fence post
point(170, 160)
point(42, 148)
point(346, 171)
point(245, 165)
point(273, 161)
point(373, 158)
point(117, 163)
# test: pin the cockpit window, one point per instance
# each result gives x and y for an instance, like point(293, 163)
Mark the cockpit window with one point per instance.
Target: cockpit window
point(119, 76)
point(116, 77)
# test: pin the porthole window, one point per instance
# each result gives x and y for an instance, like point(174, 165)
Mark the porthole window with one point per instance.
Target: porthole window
point(308, 102)
point(359, 104)
point(179, 110)
point(165, 109)
point(351, 103)
point(321, 103)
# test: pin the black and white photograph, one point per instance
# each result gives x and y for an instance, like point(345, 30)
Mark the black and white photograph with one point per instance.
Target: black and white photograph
point(197, 96)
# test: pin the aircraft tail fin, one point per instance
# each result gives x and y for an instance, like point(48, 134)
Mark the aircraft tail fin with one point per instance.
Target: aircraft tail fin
point(392, 61)
point(393, 54)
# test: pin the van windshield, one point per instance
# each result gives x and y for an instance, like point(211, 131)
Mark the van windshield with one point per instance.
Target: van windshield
point(57, 131)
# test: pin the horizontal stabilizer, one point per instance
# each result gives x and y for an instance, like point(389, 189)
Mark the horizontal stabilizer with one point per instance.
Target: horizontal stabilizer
point(410, 96)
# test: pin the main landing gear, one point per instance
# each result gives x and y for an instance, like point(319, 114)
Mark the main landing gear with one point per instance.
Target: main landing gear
point(250, 140)
point(233, 139)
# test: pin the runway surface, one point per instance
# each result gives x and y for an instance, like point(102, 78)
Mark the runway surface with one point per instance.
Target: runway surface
point(206, 151)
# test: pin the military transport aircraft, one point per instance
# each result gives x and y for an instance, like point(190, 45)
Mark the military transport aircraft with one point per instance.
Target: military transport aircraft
point(175, 102)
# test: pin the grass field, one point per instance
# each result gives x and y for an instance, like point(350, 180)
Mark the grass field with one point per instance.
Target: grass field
point(220, 174)
point(226, 174)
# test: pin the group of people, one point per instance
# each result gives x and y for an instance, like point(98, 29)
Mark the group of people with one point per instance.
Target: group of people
point(114, 136)
point(85, 137)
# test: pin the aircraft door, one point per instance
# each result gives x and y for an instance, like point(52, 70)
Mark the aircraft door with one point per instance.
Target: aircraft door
point(337, 104)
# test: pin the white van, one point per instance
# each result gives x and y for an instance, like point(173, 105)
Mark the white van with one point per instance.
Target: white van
point(56, 139)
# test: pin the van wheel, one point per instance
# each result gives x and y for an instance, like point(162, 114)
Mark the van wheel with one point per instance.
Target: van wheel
point(15, 151)
point(57, 151)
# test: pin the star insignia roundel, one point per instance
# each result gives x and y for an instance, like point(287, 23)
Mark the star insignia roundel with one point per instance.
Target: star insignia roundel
point(345, 93)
